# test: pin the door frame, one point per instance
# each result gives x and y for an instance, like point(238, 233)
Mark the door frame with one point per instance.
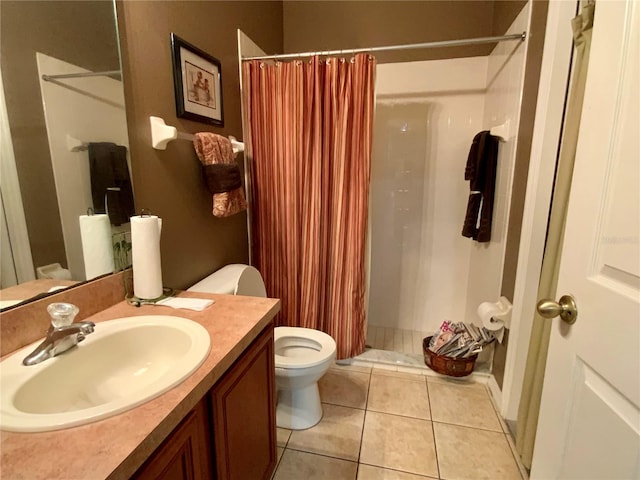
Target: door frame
point(20, 248)
point(553, 87)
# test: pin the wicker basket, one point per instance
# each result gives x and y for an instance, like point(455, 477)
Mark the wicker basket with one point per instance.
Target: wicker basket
point(454, 367)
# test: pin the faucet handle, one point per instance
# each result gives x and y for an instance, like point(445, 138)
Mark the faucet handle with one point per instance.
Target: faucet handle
point(62, 314)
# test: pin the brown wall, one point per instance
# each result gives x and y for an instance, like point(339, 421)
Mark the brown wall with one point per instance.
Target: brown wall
point(82, 33)
point(504, 13)
point(169, 183)
point(333, 25)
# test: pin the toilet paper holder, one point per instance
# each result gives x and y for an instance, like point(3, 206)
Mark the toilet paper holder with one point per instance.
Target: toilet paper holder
point(505, 315)
point(496, 312)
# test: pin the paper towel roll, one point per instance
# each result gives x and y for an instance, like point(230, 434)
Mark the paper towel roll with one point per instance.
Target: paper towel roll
point(97, 247)
point(145, 255)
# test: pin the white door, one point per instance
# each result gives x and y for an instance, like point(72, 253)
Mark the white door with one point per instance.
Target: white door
point(589, 424)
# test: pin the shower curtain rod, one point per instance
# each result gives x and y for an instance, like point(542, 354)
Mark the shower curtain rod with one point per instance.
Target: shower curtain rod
point(414, 46)
point(107, 73)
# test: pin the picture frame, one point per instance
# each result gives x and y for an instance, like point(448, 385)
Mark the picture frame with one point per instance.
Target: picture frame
point(197, 78)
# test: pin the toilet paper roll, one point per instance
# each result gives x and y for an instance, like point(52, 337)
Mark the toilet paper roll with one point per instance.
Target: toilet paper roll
point(54, 271)
point(486, 312)
point(97, 246)
point(59, 274)
point(494, 316)
point(145, 256)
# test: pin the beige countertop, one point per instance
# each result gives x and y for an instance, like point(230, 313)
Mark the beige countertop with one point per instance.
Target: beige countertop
point(26, 290)
point(114, 448)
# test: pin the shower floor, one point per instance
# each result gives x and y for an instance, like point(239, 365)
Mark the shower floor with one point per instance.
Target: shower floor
point(395, 340)
point(397, 348)
point(393, 347)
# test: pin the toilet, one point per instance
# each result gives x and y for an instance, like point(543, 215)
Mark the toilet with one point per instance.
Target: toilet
point(302, 355)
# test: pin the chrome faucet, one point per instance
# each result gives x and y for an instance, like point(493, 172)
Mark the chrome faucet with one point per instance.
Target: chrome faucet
point(63, 334)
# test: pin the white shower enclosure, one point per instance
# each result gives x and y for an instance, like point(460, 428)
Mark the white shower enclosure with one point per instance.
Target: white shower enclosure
point(421, 270)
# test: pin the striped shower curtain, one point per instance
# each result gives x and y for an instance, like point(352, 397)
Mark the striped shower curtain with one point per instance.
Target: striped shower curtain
point(309, 167)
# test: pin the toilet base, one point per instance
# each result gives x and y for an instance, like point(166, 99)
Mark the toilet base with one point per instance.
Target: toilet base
point(299, 409)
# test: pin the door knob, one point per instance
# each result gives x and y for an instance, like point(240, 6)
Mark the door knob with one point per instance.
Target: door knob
point(566, 308)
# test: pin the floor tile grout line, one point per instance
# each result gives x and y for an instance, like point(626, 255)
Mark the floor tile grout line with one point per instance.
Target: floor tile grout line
point(361, 440)
point(433, 430)
point(288, 438)
point(278, 461)
point(342, 405)
point(403, 416)
point(400, 471)
point(515, 458)
point(321, 455)
point(366, 402)
point(364, 421)
point(398, 414)
point(283, 449)
point(466, 426)
point(394, 373)
point(501, 420)
point(503, 424)
point(508, 435)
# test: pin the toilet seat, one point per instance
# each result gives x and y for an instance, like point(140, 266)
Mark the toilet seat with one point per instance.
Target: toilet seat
point(319, 347)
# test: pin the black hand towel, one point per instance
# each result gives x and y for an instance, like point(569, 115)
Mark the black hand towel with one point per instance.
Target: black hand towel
point(110, 178)
point(222, 177)
point(480, 170)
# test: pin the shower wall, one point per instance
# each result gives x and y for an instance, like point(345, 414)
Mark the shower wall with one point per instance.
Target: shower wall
point(426, 115)
point(422, 271)
point(505, 81)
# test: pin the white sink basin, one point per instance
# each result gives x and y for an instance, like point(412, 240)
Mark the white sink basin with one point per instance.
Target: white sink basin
point(123, 364)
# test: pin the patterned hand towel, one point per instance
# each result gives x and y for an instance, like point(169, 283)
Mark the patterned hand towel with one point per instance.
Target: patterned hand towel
point(215, 149)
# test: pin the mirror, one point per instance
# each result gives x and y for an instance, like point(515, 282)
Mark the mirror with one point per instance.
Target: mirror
point(64, 147)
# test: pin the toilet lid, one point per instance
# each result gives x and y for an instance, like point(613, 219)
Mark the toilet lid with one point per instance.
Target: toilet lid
point(234, 279)
point(313, 357)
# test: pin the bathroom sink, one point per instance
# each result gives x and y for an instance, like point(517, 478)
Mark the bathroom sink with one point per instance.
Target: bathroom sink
point(123, 364)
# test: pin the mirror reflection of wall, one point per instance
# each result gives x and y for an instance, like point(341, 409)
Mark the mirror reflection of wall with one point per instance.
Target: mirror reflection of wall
point(60, 134)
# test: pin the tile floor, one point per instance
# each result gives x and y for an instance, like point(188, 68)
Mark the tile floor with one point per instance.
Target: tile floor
point(388, 425)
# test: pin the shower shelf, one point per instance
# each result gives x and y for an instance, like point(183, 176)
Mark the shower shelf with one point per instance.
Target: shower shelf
point(501, 131)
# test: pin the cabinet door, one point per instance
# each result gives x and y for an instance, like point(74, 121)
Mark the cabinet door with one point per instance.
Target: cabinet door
point(185, 454)
point(244, 415)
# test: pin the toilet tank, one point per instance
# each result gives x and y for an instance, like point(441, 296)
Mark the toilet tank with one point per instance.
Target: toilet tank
point(235, 279)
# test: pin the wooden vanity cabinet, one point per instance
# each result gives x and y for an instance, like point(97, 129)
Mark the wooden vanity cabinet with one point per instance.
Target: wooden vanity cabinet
point(186, 452)
point(231, 433)
point(244, 415)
